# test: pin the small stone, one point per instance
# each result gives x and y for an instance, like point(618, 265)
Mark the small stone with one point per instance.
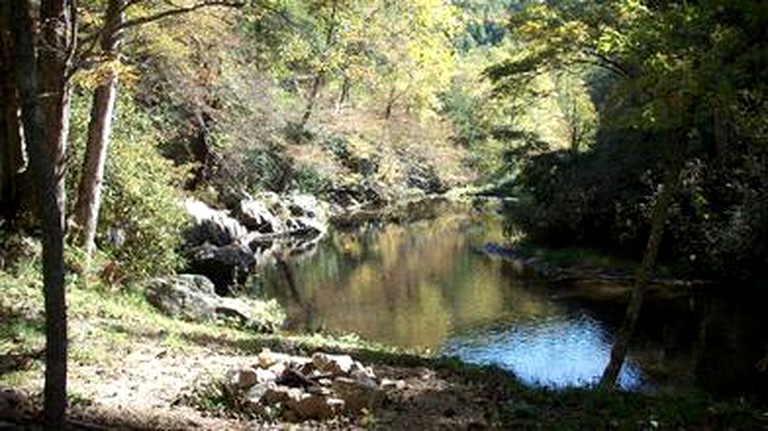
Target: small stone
point(333, 364)
point(242, 378)
point(389, 384)
point(318, 390)
point(268, 358)
point(317, 407)
point(357, 394)
point(277, 369)
point(264, 376)
point(281, 395)
point(257, 391)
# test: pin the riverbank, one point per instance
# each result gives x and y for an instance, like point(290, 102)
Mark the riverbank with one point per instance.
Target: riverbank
point(130, 367)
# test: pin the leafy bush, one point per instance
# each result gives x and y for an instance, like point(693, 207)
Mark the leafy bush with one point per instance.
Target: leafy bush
point(141, 218)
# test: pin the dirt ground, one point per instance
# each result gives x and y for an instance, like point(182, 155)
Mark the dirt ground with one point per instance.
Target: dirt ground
point(142, 390)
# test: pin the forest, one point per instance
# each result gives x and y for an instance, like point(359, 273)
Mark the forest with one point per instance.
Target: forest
point(363, 195)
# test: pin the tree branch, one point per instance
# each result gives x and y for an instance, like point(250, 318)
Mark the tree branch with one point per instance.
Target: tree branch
point(182, 10)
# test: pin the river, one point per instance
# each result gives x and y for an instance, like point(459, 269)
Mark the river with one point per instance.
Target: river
point(423, 285)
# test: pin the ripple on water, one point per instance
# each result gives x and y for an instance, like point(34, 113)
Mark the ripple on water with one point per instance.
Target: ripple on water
point(553, 351)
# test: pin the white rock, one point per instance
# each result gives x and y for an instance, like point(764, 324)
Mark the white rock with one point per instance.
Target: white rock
point(333, 364)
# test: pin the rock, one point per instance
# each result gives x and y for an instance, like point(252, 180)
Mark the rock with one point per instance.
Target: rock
point(193, 297)
point(235, 308)
point(265, 376)
point(389, 384)
point(186, 295)
point(332, 364)
point(225, 266)
point(254, 396)
point(357, 394)
point(279, 394)
point(316, 407)
point(211, 226)
point(359, 371)
point(256, 216)
point(268, 358)
point(423, 177)
point(277, 369)
point(242, 378)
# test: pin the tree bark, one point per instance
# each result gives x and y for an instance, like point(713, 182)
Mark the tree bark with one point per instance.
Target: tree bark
point(99, 128)
point(12, 160)
point(50, 203)
point(56, 44)
point(317, 82)
point(658, 219)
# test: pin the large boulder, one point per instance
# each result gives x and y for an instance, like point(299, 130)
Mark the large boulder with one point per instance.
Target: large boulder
point(211, 226)
point(188, 296)
point(193, 297)
point(256, 216)
point(225, 266)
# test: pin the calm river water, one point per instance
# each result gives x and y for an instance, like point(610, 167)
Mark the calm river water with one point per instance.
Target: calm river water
point(423, 285)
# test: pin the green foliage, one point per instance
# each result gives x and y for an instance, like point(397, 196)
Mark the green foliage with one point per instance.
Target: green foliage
point(141, 217)
point(673, 71)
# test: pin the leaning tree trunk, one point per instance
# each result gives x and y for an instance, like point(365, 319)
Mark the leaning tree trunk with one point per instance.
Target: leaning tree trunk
point(99, 127)
point(43, 149)
point(658, 219)
point(317, 82)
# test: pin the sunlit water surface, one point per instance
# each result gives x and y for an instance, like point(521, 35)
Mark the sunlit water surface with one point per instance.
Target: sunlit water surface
point(424, 285)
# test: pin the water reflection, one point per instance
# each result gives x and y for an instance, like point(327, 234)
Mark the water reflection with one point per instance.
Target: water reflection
point(555, 351)
point(421, 285)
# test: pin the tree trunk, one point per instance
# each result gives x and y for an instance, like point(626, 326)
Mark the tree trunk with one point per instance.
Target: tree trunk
point(658, 219)
point(50, 204)
point(390, 104)
point(12, 160)
point(344, 96)
point(316, 84)
point(99, 127)
point(56, 43)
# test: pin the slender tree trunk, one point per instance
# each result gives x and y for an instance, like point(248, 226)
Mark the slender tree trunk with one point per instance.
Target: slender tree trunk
point(658, 218)
point(317, 82)
point(99, 127)
point(344, 96)
point(50, 206)
point(390, 104)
